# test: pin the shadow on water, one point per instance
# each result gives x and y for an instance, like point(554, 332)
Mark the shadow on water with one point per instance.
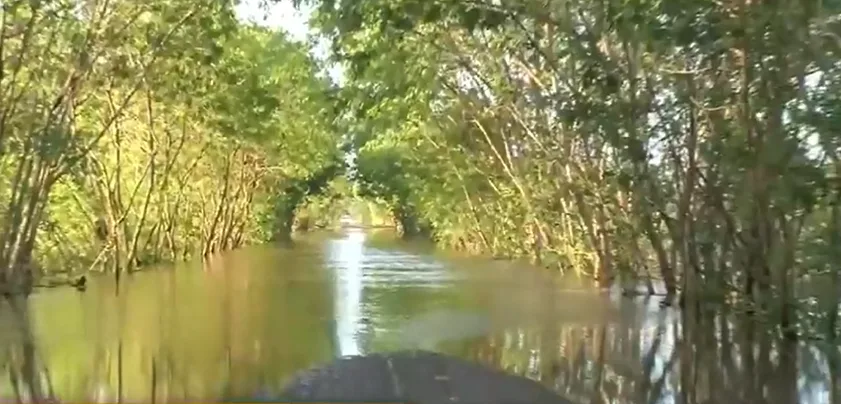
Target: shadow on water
point(239, 326)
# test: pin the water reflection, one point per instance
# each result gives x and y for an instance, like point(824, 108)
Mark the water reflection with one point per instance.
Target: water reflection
point(347, 253)
point(239, 326)
point(28, 379)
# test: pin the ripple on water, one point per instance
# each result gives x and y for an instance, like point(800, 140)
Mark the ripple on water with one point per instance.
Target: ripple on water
point(251, 318)
point(377, 267)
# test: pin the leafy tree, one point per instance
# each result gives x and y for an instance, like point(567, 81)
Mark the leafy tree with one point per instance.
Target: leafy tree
point(134, 133)
point(620, 140)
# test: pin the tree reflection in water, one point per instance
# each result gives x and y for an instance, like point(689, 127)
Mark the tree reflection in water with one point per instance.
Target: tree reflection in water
point(28, 379)
point(713, 357)
point(243, 327)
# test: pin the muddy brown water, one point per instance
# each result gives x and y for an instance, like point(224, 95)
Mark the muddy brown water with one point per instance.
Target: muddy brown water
point(243, 324)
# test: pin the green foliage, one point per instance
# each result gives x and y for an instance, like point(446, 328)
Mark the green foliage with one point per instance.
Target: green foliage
point(608, 138)
point(136, 133)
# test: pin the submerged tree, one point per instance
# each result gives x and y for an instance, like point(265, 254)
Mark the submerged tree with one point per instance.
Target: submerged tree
point(695, 141)
point(133, 133)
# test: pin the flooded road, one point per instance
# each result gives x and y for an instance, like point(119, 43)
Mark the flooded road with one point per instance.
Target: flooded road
point(240, 326)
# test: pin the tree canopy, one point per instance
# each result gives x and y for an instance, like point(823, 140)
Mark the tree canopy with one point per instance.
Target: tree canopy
point(133, 132)
point(696, 142)
point(621, 140)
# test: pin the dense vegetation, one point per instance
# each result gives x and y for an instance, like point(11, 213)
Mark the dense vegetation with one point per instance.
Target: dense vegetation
point(692, 142)
point(623, 140)
point(697, 142)
point(339, 198)
point(136, 132)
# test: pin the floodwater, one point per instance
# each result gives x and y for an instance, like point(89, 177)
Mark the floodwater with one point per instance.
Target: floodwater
point(239, 326)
